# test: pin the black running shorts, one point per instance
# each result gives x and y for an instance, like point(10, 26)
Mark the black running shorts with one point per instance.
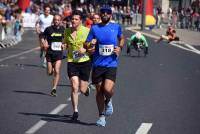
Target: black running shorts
point(82, 70)
point(41, 35)
point(52, 56)
point(99, 74)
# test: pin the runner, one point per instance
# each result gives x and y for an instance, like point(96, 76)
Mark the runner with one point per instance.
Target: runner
point(110, 41)
point(170, 35)
point(96, 18)
point(52, 43)
point(134, 40)
point(43, 22)
point(79, 64)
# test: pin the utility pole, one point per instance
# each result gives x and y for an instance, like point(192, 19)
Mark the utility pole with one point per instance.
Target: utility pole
point(143, 14)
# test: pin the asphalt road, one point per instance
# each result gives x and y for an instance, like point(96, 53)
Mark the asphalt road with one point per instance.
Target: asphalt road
point(157, 94)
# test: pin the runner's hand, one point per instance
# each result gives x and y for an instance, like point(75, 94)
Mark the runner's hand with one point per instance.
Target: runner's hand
point(117, 50)
point(93, 42)
point(45, 44)
point(91, 49)
point(82, 50)
point(64, 46)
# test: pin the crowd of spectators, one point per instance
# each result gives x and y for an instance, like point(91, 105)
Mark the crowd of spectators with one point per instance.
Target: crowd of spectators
point(11, 16)
point(184, 18)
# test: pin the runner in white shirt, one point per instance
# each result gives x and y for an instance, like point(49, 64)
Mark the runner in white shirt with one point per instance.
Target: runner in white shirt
point(42, 23)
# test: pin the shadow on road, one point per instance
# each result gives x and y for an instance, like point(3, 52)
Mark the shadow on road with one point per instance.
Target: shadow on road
point(58, 118)
point(31, 92)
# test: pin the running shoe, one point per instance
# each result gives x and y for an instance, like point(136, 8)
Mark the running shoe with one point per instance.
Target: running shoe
point(75, 116)
point(92, 87)
point(87, 93)
point(53, 92)
point(44, 65)
point(101, 122)
point(108, 107)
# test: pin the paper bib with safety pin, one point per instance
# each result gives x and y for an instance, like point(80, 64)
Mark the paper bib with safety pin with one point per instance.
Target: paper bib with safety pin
point(106, 50)
point(56, 46)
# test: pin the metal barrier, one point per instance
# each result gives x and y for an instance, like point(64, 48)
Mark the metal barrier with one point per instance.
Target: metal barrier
point(7, 36)
point(2, 33)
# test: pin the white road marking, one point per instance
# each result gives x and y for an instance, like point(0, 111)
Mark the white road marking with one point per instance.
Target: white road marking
point(41, 123)
point(144, 128)
point(19, 54)
point(191, 50)
point(36, 127)
point(191, 47)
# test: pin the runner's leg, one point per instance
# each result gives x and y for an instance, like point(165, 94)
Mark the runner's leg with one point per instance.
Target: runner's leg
point(108, 92)
point(74, 92)
point(57, 67)
point(100, 98)
point(83, 86)
point(108, 88)
point(49, 68)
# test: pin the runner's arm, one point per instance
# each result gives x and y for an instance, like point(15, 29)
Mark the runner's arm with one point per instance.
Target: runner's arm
point(131, 39)
point(37, 26)
point(118, 49)
point(121, 41)
point(44, 39)
point(145, 41)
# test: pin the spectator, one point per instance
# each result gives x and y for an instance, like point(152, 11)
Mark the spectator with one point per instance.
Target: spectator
point(170, 35)
point(88, 21)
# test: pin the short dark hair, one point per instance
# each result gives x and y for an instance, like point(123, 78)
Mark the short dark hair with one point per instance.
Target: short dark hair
point(47, 6)
point(77, 12)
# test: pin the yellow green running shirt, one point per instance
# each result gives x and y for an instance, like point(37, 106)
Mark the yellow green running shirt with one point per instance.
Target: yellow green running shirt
point(75, 44)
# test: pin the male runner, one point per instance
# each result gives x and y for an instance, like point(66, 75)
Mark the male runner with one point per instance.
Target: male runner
point(137, 38)
point(53, 37)
point(109, 42)
point(42, 23)
point(79, 64)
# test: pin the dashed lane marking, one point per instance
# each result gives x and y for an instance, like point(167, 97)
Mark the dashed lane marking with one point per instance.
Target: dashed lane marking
point(41, 123)
point(144, 128)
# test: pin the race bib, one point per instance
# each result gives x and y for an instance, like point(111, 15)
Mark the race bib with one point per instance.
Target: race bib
point(106, 50)
point(56, 46)
point(77, 55)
